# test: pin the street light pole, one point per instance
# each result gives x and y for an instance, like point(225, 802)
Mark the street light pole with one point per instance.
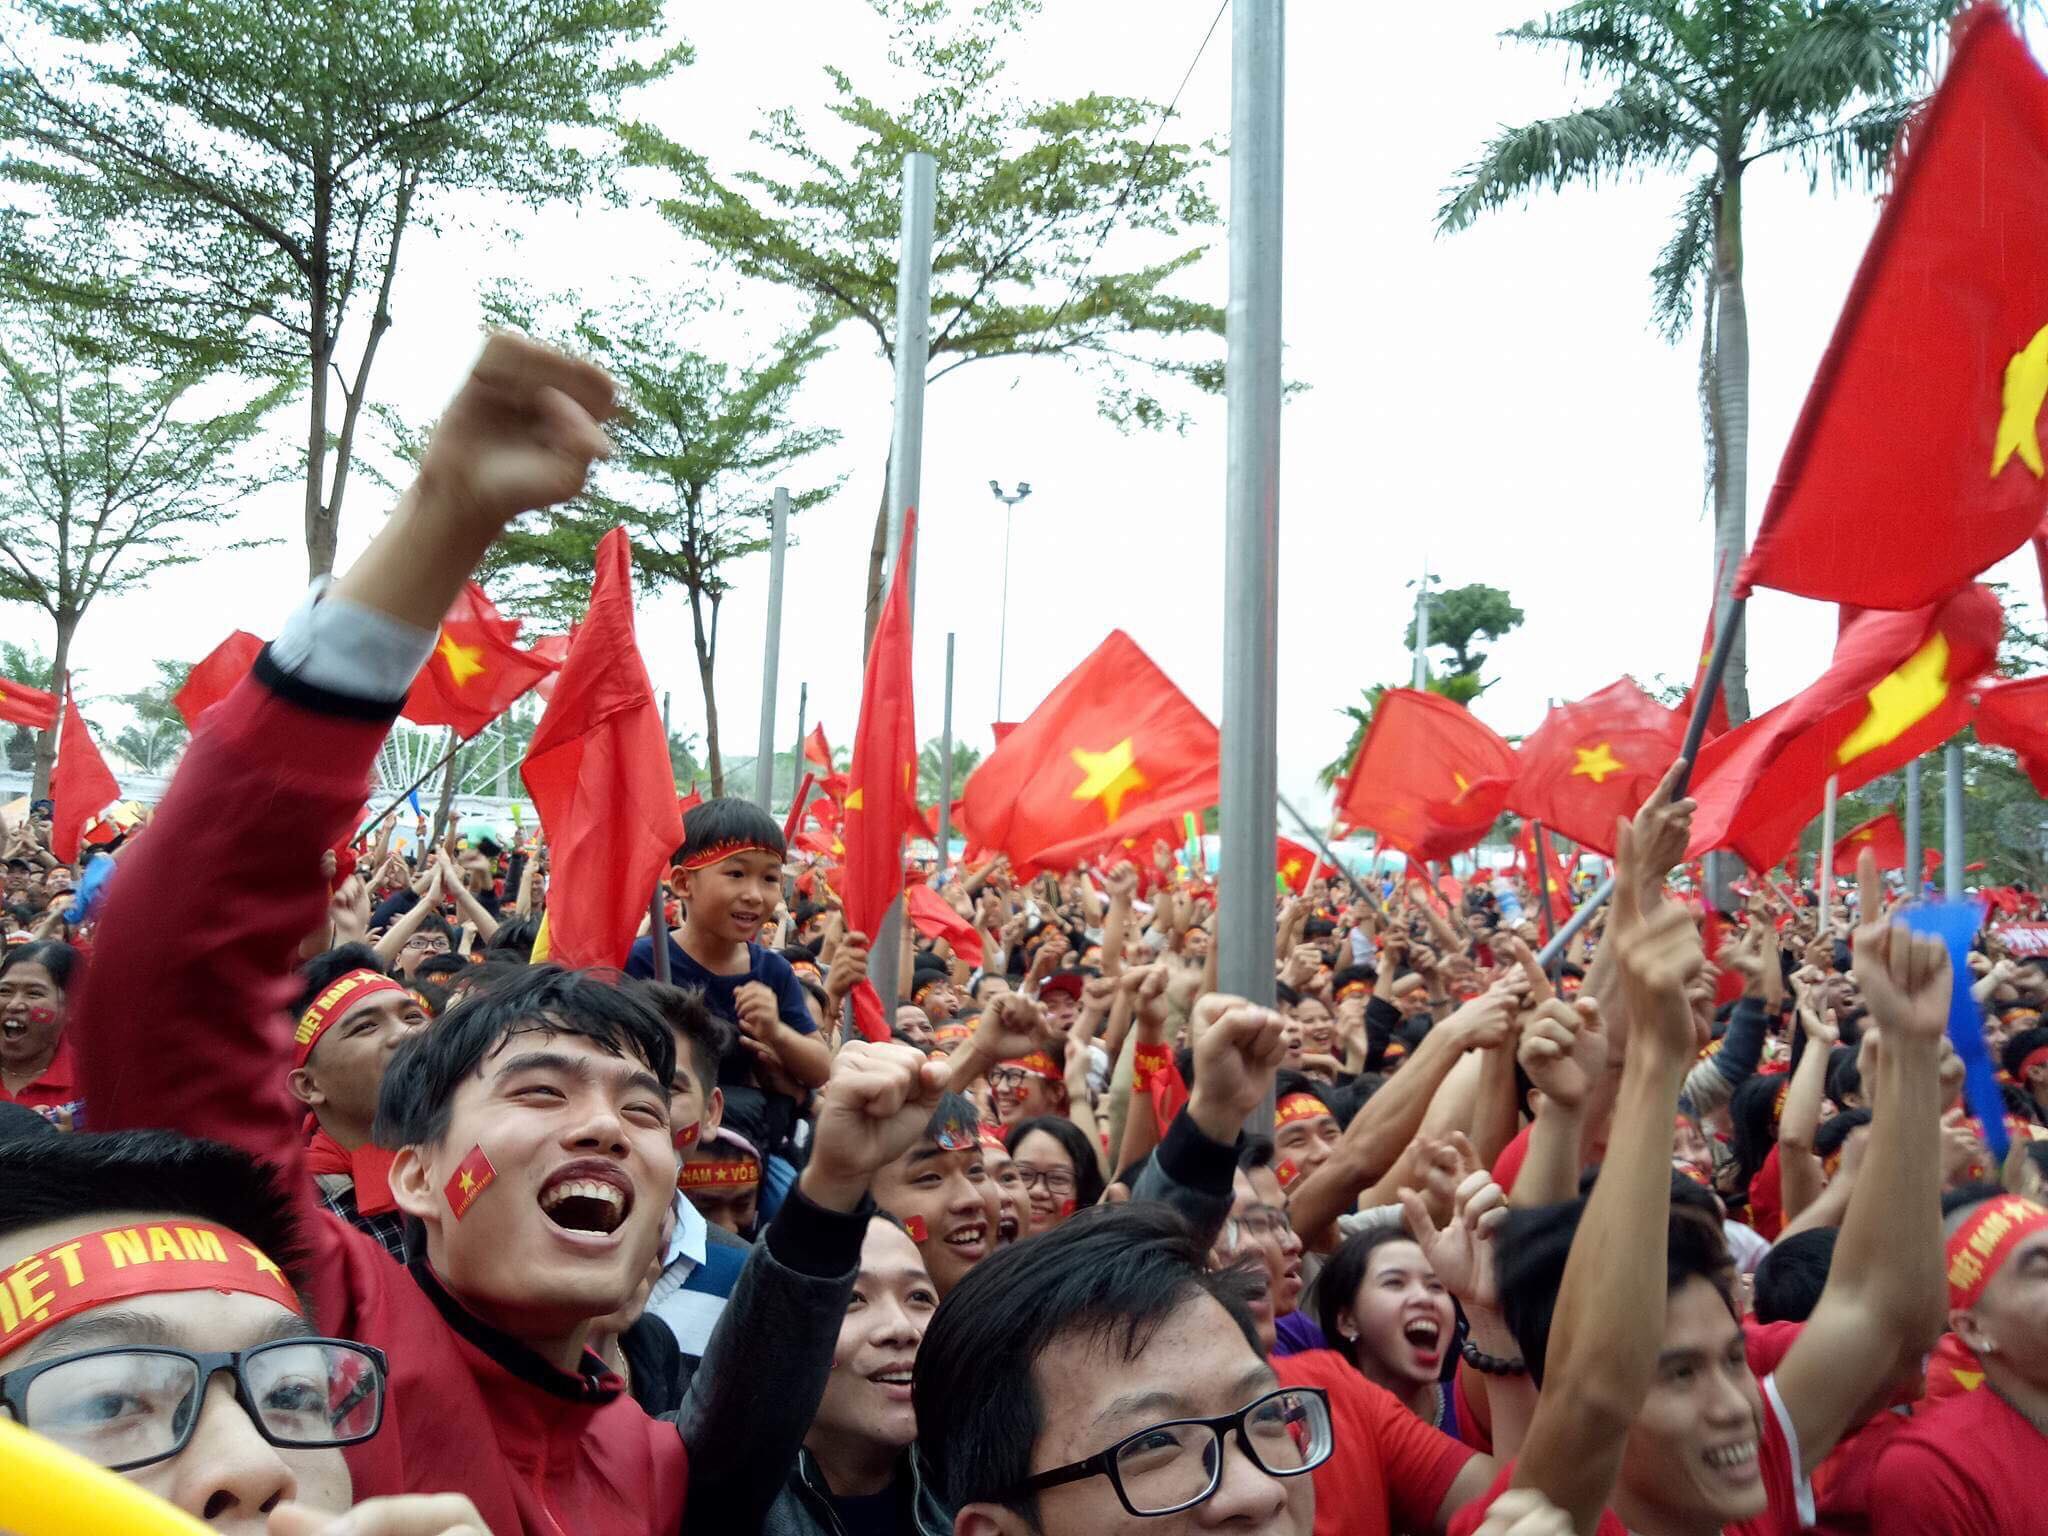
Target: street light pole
point(1003, 628)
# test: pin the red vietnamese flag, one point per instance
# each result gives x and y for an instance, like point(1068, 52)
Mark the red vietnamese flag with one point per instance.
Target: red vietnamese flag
point(23, 705)
point(930, 913)
point(599, 773)
point(1595, 760)
point(214, 675)
point(475, 671)
point(554, 650)
point(2015, 716)
point(80, 785)
point(1001, 729)
point(1882, 835)
point(817, 749)
point(468, 1181)
point(1113, 751)
point(1292, 863)
point(1898, 686)
point(881, 805)
point(1429, 778)
point(1917, 461)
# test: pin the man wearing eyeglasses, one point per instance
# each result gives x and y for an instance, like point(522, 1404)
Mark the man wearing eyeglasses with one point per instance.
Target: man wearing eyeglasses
point(145, 1326)
point(1101, 1379)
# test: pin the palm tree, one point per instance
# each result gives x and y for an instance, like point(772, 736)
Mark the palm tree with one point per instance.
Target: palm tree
point(1708, 88)
point(930, 766)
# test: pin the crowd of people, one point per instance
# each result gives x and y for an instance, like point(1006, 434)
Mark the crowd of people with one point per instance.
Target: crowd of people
point(324, 1206)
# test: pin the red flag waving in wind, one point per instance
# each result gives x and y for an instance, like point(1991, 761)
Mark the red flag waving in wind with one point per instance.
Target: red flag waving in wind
point(881, 806)
point(2015, 716)
point(1592, 761)
point(817, 749)
point(1429, 778)
point(929, 913)
point(475, 671)
point(1882, 835)
point(214, 676)
point(1898, 685)
point(1292, 863)
point(1115, 749)
point(1917, 459)
point(600, 776)
point(23, 705)
point(80, 784)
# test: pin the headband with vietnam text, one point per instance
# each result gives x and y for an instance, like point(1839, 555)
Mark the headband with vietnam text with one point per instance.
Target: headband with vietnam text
point(1985, 1242)
point(118, 1262)
point(719, 852)
point(1298, 1106)
point(336, 999)
point(946, 1034)
point(730, 1175)
point(1038, 1064)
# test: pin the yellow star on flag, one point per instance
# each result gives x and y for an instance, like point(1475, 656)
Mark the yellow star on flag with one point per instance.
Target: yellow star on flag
point(468, 1182)
point(1291, 869)
point(2026, 386)
point(1902, 700)
point(262, 1261)
point(464, 661)
point(1109, 776)
point(1865, 836)
point(1596, 762)
point(854, 801)
point(1464, 786)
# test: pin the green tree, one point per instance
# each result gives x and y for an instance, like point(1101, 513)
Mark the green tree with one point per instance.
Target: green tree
point(1458, 687)
point(107, 467)
point(1709, 88)
point(264, 166)
point(931, 764)
point(697, 445)
point(1463, 615)
point(1027, 194)
point(159, 733)
point(24, 664)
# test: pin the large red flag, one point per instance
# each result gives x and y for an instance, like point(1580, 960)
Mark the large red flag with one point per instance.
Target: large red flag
point(1429, 778)
point(1292, 862)
point(1882, 835)
point(80, 784)
point(476, 671)
point(2015, 716)
point(1114, 750)
point(1917, 461)
point(881, 806)
point(23, 705)
point(214, 675)
point(1898, 686)
point(599, 774)
point(932, 917)
point(1594, 760)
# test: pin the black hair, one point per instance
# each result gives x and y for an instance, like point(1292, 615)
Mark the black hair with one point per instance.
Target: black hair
point(1961, 1199)
point(1533, 1245)
point(1350, 973)
point(2019, 1048)
point(1254, 1151)
point(1113, 1275)
point(419, 1088)
point(708, 1038)
point(1844, 1076)
point(1347, 1099)
point(1285, 995)
point(64, 963)
point(441, 965)
point(1753, 1122)
point(324, 969)
point(1793, 1274)
point(1834, 1132)
point(434, 922)
point(20, 1120)
point(514, 938)
point(74, 1178)
point(430, 995)
point(956, 1115)
point(1318, 928)
point(1289, 1082)
point(1088, 1185)
point(1129, 1174)
point(1342, 1274)
point(729, 820)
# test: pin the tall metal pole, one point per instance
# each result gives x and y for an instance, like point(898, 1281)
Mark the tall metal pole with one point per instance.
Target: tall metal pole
point(796, 758)
point(771, 653)
point(1003, 624)
point(1422, 629)
point(1952, 820)
point(1914, 857)
point(1251, 508)
point(946, 766)
point(906, 463)
point(1824, 866)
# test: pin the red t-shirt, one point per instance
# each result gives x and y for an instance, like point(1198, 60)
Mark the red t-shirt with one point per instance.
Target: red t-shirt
point(1767, 1198)
point(1789, 1507)
point(1968, 1466)
point(57, 1088)
point(1841, 1484)
point(1389, 1470)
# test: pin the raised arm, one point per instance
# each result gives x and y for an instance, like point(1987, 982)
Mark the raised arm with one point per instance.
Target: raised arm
point(1799, 1170)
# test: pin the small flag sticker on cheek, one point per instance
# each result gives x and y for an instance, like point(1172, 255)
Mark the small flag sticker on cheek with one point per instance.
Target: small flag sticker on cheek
point(1068, 1207)
point(470, 1177)
point(915, 1226)
point(686, 1138)
point(1287, 1171)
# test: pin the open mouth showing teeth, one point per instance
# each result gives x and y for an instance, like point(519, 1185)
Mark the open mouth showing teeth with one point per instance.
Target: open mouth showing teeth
point(1006, 1229)
point(585, 1205)
point(1422, 1335)
point(1729, 1457)
point(13, 1029)
point(967, 1237)
point(892, 1378)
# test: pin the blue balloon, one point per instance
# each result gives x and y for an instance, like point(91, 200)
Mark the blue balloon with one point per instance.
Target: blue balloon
point(1956, 925)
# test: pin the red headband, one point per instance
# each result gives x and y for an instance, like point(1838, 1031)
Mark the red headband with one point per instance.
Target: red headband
point(1985, 1242)
point(733, 1174)
point(118, 1262)
point(1352, 989)
point(992, 1140)
point(718, 853)
point(2033, 1059)
point(1038, 1064)
point(1298, 1106)
point(341, 994)
point(946, 1032)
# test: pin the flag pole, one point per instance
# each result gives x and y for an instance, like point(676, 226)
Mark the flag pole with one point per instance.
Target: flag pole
point(906, 463)
point(946, 766)
point(796, 758)
point(377, 820)
point(1915, 877)
point(1323, 846)
point(657, 928)
point(771, 652)
point(1823, 868)
point(1251, 516)
point(1695, 732)
point(1542, 879)
point(1952, 820)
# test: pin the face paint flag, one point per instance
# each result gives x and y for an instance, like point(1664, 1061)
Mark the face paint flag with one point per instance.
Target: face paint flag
point(472, 1175)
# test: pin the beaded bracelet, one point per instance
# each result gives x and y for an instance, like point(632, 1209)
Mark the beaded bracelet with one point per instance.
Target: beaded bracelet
point(1491, 1365)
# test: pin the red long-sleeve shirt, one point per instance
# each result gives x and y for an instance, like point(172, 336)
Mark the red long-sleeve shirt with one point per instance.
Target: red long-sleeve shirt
point(181, 1025)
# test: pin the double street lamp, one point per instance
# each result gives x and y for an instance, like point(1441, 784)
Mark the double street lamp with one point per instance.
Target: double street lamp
point(1009, 501)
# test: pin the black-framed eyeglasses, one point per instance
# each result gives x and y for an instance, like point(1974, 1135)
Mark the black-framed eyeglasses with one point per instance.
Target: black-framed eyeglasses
point(1179, 1464)
point(125, 1407)
point(1057, 1181)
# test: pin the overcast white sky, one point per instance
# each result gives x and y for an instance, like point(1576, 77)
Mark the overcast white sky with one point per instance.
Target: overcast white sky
point(1494, 403)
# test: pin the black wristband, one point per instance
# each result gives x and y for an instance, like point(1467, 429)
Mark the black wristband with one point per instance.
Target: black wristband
point(1491, 1365)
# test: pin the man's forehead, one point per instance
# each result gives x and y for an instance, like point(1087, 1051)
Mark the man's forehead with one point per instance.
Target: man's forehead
point(1195, 1361)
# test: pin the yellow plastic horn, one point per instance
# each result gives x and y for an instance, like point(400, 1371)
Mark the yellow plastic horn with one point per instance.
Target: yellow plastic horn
point(54, 1492)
